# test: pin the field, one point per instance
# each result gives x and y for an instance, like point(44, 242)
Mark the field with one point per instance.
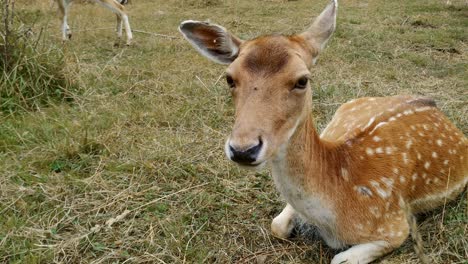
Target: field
point(131, 169)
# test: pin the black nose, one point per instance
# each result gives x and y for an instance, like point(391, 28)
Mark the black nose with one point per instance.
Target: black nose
point(248, 156)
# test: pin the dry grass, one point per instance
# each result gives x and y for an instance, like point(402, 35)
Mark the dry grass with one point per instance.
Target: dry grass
point(133, 169)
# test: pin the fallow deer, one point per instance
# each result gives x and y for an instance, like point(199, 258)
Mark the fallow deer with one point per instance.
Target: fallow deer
point(115, 6)
point(376, 158)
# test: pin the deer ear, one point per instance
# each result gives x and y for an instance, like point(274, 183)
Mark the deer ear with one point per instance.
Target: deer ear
point(322, 28)
point(211, 40)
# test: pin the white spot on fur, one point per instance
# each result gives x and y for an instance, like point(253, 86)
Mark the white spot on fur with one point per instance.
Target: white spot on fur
point(379, 150)
point(370, 123)
point(414, 176)
point(387, 205)
point(374, 211)
point(377, 126)
point(395, 170)
point(434, 154)
point(439, 142)
point(402, 179)
point(405, 157)
point(379, 190)
point(369, 151)
point(419, 155)
point(388, 150)
point(376, 138)
point(345, 174)
point(388, 182)
point(409, 143)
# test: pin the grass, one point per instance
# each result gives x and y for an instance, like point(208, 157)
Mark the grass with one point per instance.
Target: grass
point(132, 169)
point(31, 72)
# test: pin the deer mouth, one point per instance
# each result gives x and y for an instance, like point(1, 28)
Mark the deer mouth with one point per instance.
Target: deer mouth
point(252, 166)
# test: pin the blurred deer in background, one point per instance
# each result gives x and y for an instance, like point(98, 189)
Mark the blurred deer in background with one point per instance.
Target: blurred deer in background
point(115, 6)
point(377, 157)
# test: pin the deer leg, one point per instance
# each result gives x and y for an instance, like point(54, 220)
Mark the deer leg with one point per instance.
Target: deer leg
point(283, 224)
point(368, 252)
point(362, 253)
point(119, 30)
point(119, 26)
point(119, 10)
point(128, 30)
point(63, 8)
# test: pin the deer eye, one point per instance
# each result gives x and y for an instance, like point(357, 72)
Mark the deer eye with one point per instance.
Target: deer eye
point(230, 81)
point(301, 83)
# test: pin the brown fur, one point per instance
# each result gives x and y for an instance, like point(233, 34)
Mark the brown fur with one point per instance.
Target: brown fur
point(395, 166)
point(377, 160)
point(366, 200)
point(258, 59)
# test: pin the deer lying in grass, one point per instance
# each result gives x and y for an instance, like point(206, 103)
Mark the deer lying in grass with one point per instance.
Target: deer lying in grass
point(377, 156)
point(113, 5)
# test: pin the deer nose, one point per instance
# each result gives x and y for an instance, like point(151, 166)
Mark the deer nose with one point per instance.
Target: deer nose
point(245, 156)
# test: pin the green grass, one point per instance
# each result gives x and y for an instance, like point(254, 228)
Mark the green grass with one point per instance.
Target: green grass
point(146, 131)
point(32, 72)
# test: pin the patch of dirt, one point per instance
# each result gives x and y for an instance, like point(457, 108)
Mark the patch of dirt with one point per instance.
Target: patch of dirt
point(422, 24)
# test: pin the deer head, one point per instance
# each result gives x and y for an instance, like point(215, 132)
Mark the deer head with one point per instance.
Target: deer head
point(269, 78)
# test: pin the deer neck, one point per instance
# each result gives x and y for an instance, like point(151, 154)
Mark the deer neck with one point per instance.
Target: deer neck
point(308, 163)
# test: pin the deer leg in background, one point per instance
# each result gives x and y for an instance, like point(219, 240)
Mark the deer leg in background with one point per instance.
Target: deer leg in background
point(119, 26)
point(63, 8)
point(119, 30)
point(119, 10)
